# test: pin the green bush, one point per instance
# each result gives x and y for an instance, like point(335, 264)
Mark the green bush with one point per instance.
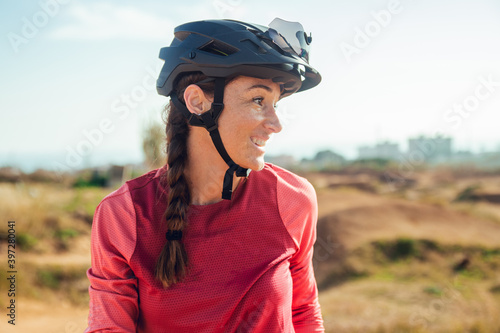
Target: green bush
point(25, 241)
point(65, 234)
point(401, 248)
point(57, 277)
point(405, 248)
point(62, 237)
point(50, 278)
point(490, 254)
point(95, 179)
point(433, 290)
point(468, 194)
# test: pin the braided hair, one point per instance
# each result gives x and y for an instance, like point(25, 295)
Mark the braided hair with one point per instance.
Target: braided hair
point(171, 265)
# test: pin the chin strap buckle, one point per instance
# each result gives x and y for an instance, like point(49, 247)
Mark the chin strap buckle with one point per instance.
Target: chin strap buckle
point(227, 188)
point(208, 121)
point(242, 172)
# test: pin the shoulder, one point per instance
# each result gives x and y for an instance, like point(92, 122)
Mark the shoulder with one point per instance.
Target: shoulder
point(127, 191)
point(289, 186)
point(123, 195)
point(297, 203)
point(295, 195)
point(115, 216)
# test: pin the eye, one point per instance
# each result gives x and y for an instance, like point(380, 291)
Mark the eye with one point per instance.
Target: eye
point(258, 100)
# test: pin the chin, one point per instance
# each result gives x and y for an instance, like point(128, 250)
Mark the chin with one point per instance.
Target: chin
point(256, 164)
point(260, 167)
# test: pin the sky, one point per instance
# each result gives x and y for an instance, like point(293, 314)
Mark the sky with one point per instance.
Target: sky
point(78, 77)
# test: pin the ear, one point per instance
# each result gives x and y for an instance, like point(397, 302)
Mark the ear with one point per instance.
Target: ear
point(196, 101)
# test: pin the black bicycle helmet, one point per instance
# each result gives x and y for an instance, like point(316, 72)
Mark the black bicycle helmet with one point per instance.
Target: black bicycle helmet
point(222, 49)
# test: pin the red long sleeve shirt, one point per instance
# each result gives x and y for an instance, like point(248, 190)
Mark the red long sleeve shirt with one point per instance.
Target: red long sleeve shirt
point(250, 260)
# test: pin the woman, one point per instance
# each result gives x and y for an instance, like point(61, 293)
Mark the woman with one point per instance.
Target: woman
point(169, 253)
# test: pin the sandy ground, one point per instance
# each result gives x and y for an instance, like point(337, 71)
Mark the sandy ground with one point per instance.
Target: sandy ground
point(39, 317)
point(51, 315)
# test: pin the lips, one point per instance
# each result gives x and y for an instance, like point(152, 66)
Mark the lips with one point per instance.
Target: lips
point(259, 142)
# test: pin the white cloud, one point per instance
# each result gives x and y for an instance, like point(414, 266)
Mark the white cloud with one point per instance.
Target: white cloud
point(102, 21)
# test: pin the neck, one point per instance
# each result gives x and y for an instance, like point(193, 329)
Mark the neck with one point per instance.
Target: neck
point(205, 170)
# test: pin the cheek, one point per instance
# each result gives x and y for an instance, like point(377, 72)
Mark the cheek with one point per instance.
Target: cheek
point(239, 123)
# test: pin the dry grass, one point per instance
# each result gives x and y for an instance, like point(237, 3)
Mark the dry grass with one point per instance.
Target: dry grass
point(378, 305)
point(50, 214)
point(52, 239)
point(416, 293)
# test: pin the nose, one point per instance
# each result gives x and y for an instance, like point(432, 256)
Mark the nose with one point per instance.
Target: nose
point(272, 121)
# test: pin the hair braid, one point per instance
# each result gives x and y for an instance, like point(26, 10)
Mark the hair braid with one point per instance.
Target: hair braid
point(171, 266)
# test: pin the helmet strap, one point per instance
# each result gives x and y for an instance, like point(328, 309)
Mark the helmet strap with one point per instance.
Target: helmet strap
point(208, 120)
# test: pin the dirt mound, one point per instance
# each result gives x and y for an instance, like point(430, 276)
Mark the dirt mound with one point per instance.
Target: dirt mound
point(353, 218)
point(349, 220)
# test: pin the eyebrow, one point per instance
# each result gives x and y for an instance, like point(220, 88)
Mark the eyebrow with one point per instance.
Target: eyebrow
point(260, 86)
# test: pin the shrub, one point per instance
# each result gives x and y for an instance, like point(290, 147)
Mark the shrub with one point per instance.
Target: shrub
point(57, 277)
point(468, 194)
point(401, 248)
point(96, 179)
point(50, 278)
point(65, 234)
point(433, 290)
point(25, 241)
point(405, 248)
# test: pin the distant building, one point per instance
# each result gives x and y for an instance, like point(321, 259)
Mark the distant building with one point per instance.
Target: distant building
point(437, 149)
point(328, 156)
point(323, 160)
point(385, 150)
point(463, 156)
point(489, 160)
point(430, 151)
point(367, 152)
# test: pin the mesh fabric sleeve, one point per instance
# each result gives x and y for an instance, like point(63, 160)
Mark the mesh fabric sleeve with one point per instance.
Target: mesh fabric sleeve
point(113, 286)
point(299, 210)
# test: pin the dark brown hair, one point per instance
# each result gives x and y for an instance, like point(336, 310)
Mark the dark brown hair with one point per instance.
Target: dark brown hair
point(171, 265)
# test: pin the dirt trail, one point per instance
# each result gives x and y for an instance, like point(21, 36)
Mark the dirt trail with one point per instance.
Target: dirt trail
point(36, 316)
point(51, 315)
point(77, 255)
point(66, 259)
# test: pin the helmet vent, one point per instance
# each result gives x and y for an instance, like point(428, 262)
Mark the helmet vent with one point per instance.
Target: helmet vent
point(181, 35)
point(255, 47)
point(219, 48)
